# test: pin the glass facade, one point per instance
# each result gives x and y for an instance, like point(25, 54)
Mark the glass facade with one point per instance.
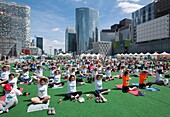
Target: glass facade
point(14, 28)
point(108, 36)
point(87, 20)
point(39, 42)
point(142, 15)
point(70, 40)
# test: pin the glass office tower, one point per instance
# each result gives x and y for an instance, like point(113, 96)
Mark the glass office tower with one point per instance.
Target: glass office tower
point(87, 20)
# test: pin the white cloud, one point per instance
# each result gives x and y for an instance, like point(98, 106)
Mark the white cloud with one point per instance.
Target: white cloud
point(80, 1)
point(128, 7)
point(77, 0)
point(56, 44)
point(56, 30)
point(128, 0)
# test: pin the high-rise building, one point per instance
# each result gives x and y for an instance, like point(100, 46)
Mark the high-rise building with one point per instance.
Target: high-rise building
point(122, 30)
point(151, 28)
point(70, 40)
point(14, 28)
point(39, 42)
point(87, 21)
point(55, 52)
point(145, 14)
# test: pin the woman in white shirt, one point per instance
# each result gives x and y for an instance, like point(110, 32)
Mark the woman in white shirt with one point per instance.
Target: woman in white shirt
point(43, 97)
point(13, 80)
point(93, 74)
point(25, 74)
point(72, 91)
point(135, 72)
point(52, 70)
point(4, 75)
point(57, 80)
point(98, 88)
point(109, 74)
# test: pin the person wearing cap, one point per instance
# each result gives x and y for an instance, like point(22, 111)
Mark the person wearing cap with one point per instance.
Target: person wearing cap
point(10, 98)
point(43, 97)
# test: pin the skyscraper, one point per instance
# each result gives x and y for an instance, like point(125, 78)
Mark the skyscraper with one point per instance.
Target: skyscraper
point(87, 21)
point(70, 40)
point(14, 28)
point(39, 42)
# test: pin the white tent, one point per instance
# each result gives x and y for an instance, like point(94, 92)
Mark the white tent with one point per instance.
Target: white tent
point(126, 54)
point(135, 54)
point(122, 54)
point(130, 54)
point(118, 54)
point(164, 53)
point(147, 53)
point(141, 54)
point(155, 54)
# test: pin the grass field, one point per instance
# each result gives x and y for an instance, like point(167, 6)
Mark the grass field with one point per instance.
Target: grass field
point(154, 104)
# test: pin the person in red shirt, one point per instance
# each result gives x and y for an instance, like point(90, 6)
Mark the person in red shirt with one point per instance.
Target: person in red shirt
point(125, 78)
point(143, 78)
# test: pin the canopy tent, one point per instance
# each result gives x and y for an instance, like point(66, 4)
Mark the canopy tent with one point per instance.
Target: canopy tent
point(141, 54)
point(147, 54)
point(135, 54)
point(164, 53)
point(155, 54)
point(130, 54)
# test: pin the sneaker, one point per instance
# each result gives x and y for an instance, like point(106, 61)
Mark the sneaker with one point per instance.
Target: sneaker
point(100, 100)
point(104, 100)
point(1, 112)
point(49, 111)
point(53, 111)
point(141, 93)
point(7, 110)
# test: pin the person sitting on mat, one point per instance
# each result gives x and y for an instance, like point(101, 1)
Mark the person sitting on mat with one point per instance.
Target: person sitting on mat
point(57, 80)
point(159, 79)
point(109, 74)
point(43, 97)
point(143, 78)
point(38, 73)
point(10, 98)
point(13, 80)
point(122, 68)
point(125, 80)
point(25, 74)
point(72, 91)
point(4, 76)
point(52, 70)
point(98, 87)
point(135, 72)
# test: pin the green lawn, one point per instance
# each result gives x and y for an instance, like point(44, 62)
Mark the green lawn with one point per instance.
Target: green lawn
point(154, 104)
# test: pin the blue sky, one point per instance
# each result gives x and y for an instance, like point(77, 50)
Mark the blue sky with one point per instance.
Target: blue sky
point(49, 18)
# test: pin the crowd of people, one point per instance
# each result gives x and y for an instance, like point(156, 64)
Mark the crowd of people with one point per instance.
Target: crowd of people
point(75, 71)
